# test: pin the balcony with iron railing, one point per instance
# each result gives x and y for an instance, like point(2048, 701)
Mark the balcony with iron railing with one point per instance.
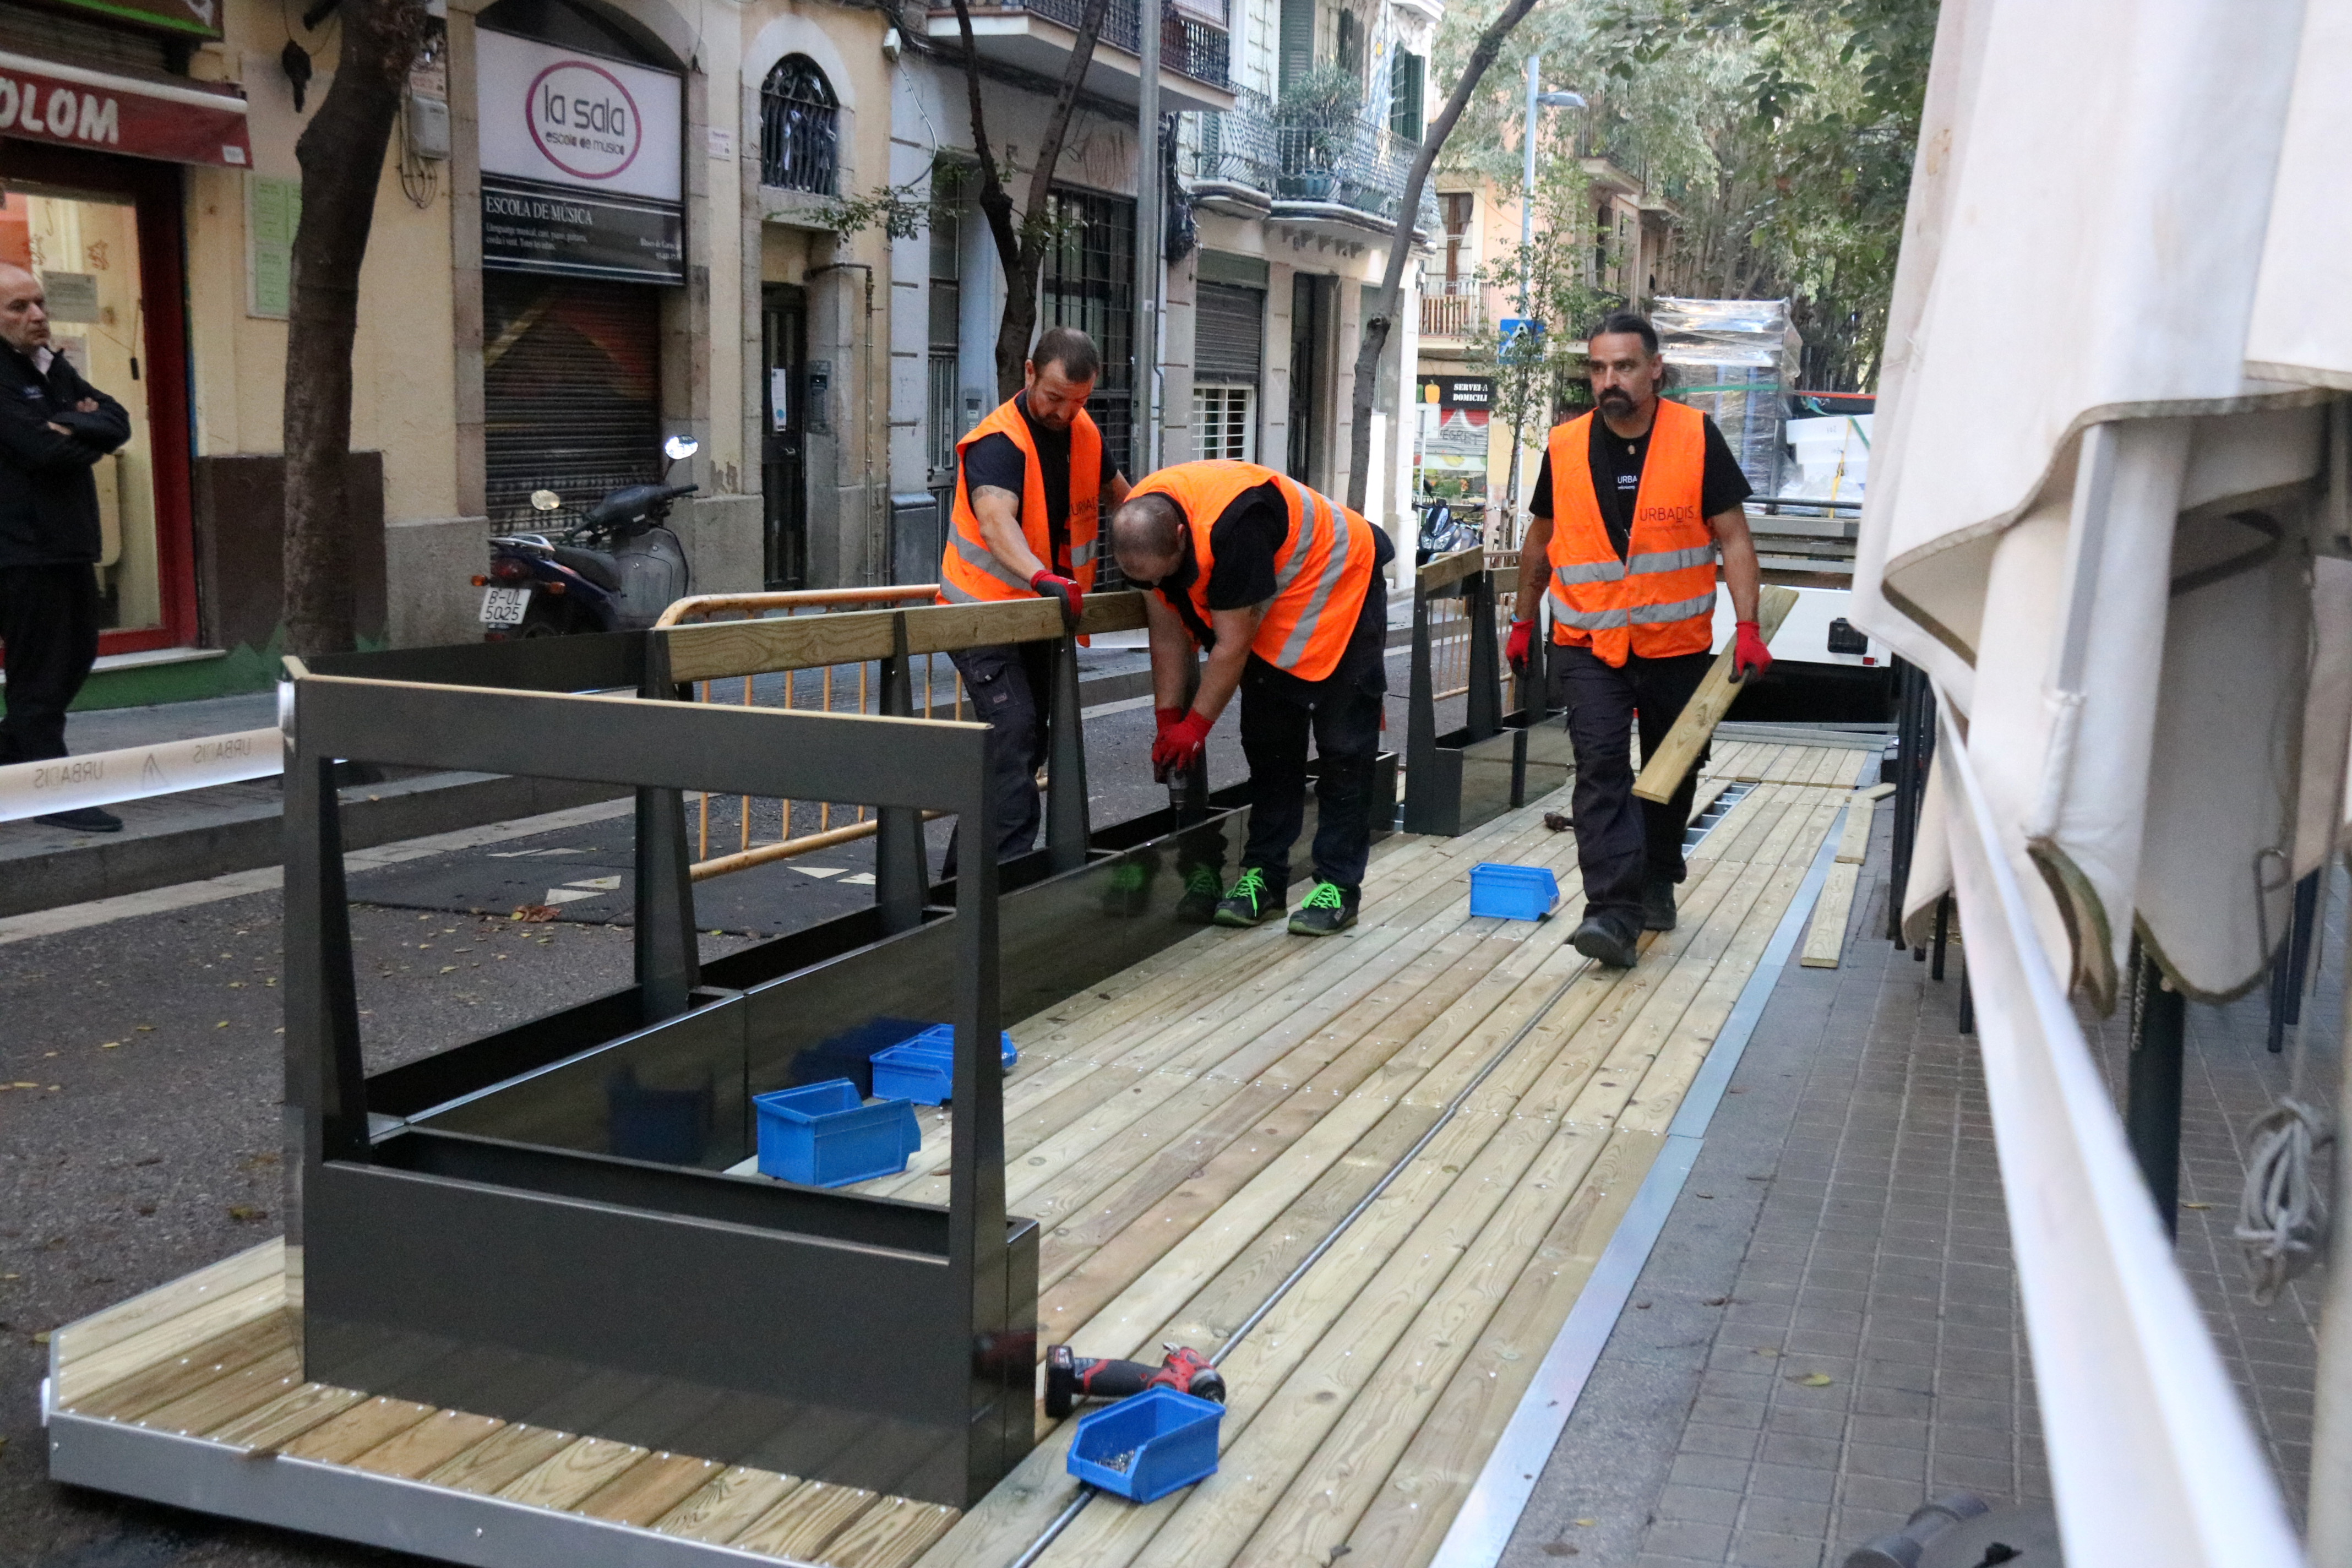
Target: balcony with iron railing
point(1350, 170)
point(1453, 308)
point(1038, 35)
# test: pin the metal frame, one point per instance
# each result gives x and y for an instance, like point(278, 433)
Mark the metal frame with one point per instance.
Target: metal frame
point(1464, 778)
point(648, 1301)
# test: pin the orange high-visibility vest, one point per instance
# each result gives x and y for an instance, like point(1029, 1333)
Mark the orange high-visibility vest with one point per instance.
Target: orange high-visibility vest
point(1320, 574)
point(969, 570)
point(1659, 601)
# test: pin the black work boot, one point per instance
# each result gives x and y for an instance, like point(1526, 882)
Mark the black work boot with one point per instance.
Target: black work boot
point(1605, 939)
point(1326, 908)
point(1657, 904)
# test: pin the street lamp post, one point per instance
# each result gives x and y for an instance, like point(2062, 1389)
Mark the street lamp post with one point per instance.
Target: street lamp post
point(1537, 99)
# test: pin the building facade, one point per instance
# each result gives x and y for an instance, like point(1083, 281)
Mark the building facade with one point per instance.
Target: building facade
point(603, 222)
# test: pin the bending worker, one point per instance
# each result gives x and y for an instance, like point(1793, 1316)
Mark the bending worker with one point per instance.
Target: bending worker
point(1628, 514)
point(1030, 478)
point(1284, 589)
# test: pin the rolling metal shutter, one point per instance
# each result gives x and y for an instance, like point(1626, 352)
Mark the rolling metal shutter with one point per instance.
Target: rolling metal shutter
point(1229, 334)
point(571, 392)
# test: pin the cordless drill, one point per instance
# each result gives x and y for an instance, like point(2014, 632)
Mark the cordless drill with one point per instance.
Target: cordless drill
point(1070, 1378)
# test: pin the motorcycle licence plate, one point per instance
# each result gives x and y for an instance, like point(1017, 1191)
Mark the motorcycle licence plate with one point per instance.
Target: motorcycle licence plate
point(504, 606)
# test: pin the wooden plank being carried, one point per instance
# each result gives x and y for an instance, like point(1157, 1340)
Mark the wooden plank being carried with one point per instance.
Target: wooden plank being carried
point(713, 651)
point(1663, 773)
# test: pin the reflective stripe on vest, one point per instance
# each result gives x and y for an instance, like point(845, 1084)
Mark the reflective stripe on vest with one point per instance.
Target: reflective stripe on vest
point(970, 572)
point(1320, 574)
point(1659, 601)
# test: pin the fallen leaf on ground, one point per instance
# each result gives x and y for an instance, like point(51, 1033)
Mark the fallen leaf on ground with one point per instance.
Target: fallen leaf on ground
point(1586, 1523)
point(1813, 1380)
point(534, 914)
point(42, 1338)
point(1555, 821)
point(2197, 1205)
point(1768, 1352)
point(244, 1212)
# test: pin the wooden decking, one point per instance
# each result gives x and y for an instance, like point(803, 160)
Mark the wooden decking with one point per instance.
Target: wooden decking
point(1187, 1134)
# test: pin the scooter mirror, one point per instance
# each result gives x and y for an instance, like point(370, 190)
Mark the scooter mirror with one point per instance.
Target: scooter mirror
point(678, 448)
point(546, 500)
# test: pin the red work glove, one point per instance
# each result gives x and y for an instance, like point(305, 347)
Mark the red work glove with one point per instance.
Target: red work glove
point(1517, 647)
point(1180, 742)
point(1165, 719)
point(1051, 585)
point(1748, 654)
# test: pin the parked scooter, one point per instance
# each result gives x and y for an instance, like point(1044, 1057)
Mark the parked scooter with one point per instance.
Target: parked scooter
point(617, 570)
point(1442, 532)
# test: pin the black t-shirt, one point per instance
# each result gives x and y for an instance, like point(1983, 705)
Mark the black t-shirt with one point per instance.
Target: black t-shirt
point(1617, 477)
point(1245, 538)
point(994, 459)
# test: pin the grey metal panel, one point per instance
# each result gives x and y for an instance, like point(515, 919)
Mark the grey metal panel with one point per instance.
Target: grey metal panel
point(670, 745)
point(361, 1506)
point(598, 661)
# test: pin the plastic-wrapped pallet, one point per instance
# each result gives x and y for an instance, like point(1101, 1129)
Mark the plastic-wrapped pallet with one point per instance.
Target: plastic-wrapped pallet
point(1736, 360)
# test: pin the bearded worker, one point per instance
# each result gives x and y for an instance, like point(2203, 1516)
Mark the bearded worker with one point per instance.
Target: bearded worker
point(1630, 511)
point(1283, 587)
point(1030, 482)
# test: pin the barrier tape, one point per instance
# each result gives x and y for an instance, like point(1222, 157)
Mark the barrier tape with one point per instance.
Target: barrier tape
point(103, 778)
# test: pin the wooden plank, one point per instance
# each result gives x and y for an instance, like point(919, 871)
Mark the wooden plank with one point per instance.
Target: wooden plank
point(719, 648)
point(727, 1504)
point(1662, 775)
point(430, 1445)
point(1412, 1510)
point(135, 1394)
point(1448, 569)
point(1878, 791)
point(1853, 844)
point(800, 1526)
point(893, 1532)
point(501, 1459)
point(572, 1473)
point(356, 1430)
point(651, 1488)
point(100, 1330)
point(225, 1398)
point(1826, 937)
point(160, 1339)
point(286, 1417)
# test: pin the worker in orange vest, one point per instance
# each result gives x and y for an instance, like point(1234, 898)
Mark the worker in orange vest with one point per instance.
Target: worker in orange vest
point(1285, 589)
point(1029, 479)
point(1630, 509)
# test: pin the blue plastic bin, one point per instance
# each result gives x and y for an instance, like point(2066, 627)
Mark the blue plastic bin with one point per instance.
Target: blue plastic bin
point(922, 1068)
point(1144, 1448)
point(1513, 892)
point(823, 1135)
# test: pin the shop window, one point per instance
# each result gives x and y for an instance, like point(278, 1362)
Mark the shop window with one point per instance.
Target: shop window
point(1225, 422)
point(85, 250)
point(799, 128)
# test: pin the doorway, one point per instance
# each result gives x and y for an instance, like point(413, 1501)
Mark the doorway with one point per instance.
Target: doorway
point(103, 235)
point(784, 435)
point(1306, 334)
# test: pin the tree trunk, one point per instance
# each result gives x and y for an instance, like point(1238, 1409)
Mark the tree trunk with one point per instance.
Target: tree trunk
point(1021, 248)
point(1378, 324)
point(341, 154)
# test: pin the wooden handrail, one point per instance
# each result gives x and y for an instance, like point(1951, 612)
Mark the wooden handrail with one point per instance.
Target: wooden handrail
point(791, 599)
point(718, 649)
point(1450, 568)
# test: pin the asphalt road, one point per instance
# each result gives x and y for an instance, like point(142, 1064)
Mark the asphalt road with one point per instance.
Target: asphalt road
point(141, 1079)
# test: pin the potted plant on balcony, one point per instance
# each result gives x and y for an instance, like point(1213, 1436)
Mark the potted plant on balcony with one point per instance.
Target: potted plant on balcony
point(1313, 116)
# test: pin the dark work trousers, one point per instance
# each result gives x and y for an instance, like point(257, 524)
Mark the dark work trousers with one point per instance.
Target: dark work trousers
point(48, 625)
point(1343, 714)
point(1620, 841)
point(1011, 685)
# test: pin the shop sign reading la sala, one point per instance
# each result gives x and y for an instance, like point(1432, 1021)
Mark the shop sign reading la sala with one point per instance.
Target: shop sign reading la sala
point(581, 162)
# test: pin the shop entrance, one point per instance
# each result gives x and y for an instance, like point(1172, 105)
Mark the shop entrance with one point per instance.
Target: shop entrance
point(103, 235)
point(571, 393)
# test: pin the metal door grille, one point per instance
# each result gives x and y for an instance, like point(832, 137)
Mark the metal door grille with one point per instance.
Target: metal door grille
point(571, 393)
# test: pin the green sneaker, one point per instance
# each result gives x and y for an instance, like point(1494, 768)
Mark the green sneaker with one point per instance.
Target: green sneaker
point(1198, 905)
point(1249, 901)
point(1326, 908)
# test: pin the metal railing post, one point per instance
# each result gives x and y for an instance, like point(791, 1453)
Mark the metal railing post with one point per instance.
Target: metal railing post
point(1068, 831)
point(669, 955)
point(1420, 806)
point(901, 869)
point(2159, 1026)
point(1485, 704)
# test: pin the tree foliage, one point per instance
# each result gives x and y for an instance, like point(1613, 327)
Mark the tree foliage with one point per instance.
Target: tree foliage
point(1781, 131)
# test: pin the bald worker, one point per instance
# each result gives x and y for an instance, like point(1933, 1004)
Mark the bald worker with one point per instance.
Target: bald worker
point(54, 428)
